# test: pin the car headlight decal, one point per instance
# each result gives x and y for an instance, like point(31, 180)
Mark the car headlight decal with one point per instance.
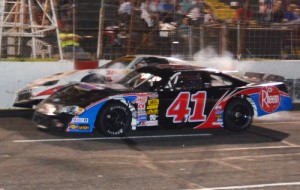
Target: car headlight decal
point(72, 110)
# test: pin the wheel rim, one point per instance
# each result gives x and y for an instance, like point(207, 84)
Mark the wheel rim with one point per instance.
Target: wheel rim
point(115, 119)
point(240, 116)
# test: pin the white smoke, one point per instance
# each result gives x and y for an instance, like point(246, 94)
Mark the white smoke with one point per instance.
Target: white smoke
point(208, 57)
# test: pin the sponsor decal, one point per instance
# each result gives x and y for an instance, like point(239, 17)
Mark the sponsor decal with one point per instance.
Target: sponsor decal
point(142, 112)
point(152, 112)
point(218, 116)
point(73, 127)
point(153, 95)
point(141, 123)
point(153, 102)
point(217, 123)
point(142, 118)
point(153, 117)
point(269, 98)
point(142, 99)
point(83, 127)
point(149, 123)
point(152, 123)
point(152, 107)
point(218, 111)
point(80, 120)
point(219, 107)
point(141, 106)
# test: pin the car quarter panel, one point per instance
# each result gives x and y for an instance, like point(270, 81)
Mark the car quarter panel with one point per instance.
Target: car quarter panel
point(265, 99)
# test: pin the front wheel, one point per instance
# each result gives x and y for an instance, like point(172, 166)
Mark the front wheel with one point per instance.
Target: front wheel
point(238, 115)
point(114, 119)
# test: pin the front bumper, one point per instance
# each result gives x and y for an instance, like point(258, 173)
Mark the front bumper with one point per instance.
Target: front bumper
point(51, 122)
point(24, 99)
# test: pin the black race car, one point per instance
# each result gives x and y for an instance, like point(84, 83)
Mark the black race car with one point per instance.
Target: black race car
point(164, 96)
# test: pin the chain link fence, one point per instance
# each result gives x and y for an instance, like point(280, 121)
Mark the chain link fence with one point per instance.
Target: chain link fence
point(31, 30)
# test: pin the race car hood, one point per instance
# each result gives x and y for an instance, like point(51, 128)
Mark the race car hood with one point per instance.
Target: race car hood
point(67, 76)
point(78, 75)
point(83, 94)
point(94, 86)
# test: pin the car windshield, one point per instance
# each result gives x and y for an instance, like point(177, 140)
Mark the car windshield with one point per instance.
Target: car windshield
point(120, 63)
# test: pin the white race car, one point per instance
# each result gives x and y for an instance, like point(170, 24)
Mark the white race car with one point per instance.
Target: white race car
point(113, 71)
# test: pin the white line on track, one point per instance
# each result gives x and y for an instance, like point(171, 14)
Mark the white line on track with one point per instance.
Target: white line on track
point(258, 148)
point(276, 122)
point(254, 186)
point(111, 138)
point(4, 156)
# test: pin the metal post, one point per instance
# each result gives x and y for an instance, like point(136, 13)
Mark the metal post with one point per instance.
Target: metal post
point(74, 32)
point(100, 33)
point(57, 31)
point(239, 51)
point(292, 47)
point(223, 39)
point(33, 47)
point(201, 37)
point(1, 26)
point(128, 49)
point(190, 43)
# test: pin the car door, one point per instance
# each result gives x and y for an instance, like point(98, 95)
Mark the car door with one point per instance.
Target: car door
point(182, 100)
point(216, 87)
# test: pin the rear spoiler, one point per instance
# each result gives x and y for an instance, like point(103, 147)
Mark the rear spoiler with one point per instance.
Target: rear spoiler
point(263, 77)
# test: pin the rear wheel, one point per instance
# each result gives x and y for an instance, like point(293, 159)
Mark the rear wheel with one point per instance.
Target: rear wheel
point(238, 115)
point(114, 119)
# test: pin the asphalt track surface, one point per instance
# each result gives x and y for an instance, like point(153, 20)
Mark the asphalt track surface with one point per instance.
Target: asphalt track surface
point(266, 157)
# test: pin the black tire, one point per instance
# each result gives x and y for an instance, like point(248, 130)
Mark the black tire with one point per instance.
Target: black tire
point(114, 119)
point(238, 115)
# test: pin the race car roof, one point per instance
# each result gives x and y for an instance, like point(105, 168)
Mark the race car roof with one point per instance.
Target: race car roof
point(164, 68)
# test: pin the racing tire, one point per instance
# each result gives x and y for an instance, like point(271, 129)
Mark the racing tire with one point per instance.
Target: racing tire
point(114, 119)
point(238, 115)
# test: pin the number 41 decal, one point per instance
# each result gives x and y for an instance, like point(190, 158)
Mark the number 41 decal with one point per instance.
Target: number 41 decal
point(180, 110)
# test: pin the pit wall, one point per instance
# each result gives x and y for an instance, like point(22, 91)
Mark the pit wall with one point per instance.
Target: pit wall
point(15, 75)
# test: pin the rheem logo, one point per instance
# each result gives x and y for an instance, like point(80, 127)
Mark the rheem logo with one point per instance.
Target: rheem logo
point(269, 98)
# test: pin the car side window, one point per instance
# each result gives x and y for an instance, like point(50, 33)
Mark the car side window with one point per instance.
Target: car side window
point(141, 63)
point(187, 81)
point(147, 81)
point(217, 80)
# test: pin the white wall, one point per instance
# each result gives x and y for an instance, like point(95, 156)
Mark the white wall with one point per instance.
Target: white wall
point(15, 75)
point(287, 69)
